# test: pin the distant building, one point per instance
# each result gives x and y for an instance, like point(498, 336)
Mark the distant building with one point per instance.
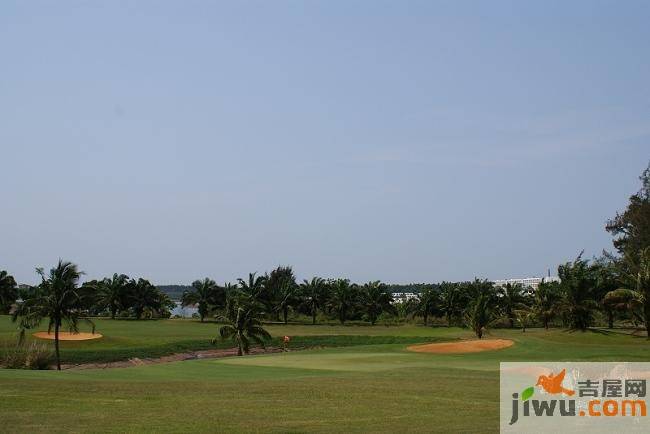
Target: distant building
point(402, 297)
point(530, 283)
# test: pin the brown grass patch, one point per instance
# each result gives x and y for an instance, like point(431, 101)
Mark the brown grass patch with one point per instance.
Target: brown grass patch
point(474, 346)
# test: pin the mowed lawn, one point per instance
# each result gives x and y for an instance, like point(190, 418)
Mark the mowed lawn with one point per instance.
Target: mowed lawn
point(363, 388)
point(124, 339)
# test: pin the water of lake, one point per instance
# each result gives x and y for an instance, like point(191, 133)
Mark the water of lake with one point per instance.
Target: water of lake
point(183, 312)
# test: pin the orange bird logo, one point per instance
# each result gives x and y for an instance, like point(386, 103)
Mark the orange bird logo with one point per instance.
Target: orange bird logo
point(553, 384)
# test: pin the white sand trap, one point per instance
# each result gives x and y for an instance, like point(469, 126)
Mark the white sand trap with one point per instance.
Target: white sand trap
point(67, 336)
point(474, 346)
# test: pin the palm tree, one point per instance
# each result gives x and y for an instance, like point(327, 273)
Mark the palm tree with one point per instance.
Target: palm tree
point(524, 317)
point(8, 291)
point(342, 299)
point(452, 300)
point(623, 300)
point(278, 292)
point(375, 299)
point(428, 303)
point(288, 297)
point(314, 295)
point(56, 298)
point(511, 297)
point(545, 301)
point(145, 297)
point(206, 294)
point(243, 324)
point(638, 299)
point(577, 286)
point(228, 290)
point(111, 293)
point(642, 282)
point(606, 274)
point(254, 288)
point(482, 309)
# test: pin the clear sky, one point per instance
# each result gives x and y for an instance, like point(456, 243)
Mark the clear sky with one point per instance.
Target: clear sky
point(401, 140)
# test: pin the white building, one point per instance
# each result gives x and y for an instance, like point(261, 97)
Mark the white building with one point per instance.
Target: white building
point(530, 283)
point(401, 297)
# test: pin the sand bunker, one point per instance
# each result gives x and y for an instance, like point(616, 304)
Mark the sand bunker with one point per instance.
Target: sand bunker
point(66, 336)
point(474, 346)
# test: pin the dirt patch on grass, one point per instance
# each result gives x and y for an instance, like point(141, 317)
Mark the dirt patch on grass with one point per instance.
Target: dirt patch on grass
point(194, 355)
point(67, 336)
point(461, 347)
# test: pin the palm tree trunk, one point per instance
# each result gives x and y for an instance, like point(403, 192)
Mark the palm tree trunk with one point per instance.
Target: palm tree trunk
point(646, 310)
point(285, 312)
point(113, 312)
point(313, 316)
point(56, 345)
point(426, 319)
point(240, 351)
point(610, 319)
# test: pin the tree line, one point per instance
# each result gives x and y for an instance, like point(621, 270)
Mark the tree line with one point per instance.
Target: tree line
point(615, 287)
point(116, 295)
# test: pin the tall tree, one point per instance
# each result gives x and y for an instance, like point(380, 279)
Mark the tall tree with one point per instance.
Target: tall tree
point(482, 309)
point(243, 323)
point(605, 273)
point(314, 294)
point(511, 298)
point(279, 291)
point(112, 293)
point(144, 298)
point(288, 298)
point(623, 301)
point(427, 304)
point(206, 294)
point(524, 315)
point(637, 300)
point(56, 298)
point(631, 228)
point(8, 291)
point(642, 285)
point(452, 300)
point(577, 284)
point(374, 299)
point(253, 288)
point(545, 302)
point(343, 298)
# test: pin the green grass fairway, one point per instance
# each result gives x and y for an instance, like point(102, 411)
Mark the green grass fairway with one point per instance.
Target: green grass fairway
point(124, 339)
point(363, 388)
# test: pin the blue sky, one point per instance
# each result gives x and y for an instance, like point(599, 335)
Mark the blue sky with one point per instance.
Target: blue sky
point(401, 141)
